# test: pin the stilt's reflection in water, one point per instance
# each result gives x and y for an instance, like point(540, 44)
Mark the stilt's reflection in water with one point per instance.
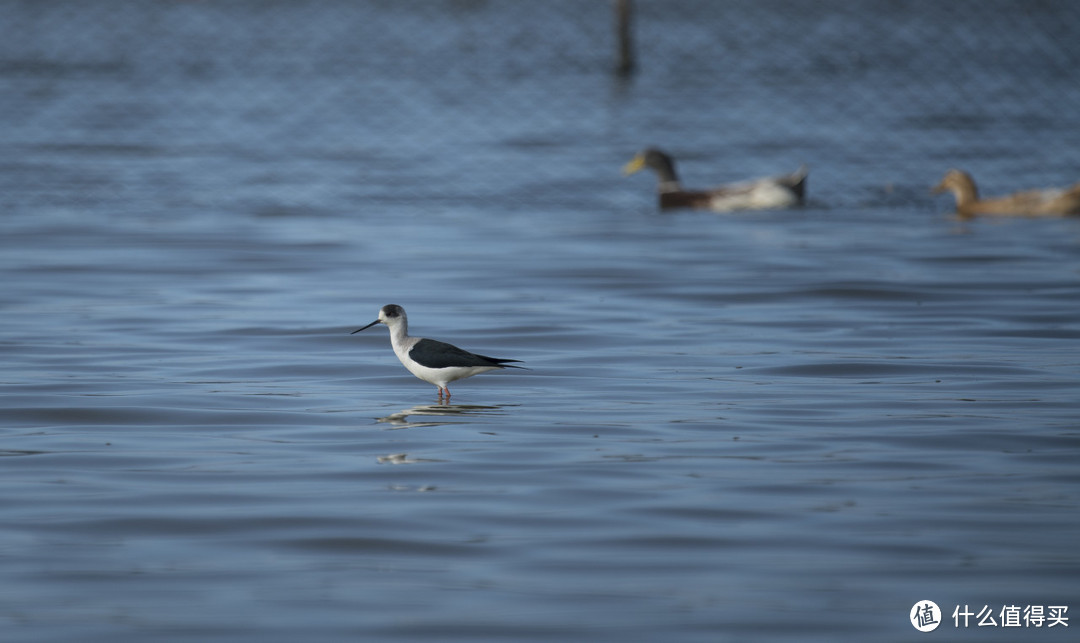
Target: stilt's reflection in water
point(435, 415)
point(430, 415)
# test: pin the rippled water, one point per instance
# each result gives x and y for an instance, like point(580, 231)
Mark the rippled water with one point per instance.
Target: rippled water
point(781, 425)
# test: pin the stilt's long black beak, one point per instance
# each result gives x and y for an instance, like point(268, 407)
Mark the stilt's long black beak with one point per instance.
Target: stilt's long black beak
point(365, 327)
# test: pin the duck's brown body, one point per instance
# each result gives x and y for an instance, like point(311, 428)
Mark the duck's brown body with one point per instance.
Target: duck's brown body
point(1031, 203)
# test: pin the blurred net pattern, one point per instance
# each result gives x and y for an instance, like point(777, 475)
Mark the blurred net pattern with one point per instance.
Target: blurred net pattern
point(834, 82)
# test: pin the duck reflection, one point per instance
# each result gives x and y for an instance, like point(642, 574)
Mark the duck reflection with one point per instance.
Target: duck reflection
point(435, 415)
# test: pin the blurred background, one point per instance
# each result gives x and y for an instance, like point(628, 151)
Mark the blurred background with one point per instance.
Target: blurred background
point(253, 105)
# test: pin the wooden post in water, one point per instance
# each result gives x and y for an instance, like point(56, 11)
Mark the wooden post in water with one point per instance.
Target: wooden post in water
point(623, 27)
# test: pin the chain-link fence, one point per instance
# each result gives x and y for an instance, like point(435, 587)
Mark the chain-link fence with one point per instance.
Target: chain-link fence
point(482, 85)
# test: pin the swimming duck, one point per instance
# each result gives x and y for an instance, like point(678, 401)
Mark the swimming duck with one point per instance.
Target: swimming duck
point(1032, 203)
point(756, 194)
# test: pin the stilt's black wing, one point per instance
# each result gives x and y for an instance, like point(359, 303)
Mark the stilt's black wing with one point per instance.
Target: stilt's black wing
point(436, 354)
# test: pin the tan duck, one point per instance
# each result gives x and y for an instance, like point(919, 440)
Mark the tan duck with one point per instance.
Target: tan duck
point(756, 194)
point(1032, 203)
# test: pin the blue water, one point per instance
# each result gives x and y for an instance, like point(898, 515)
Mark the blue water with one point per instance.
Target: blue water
point(758, 426)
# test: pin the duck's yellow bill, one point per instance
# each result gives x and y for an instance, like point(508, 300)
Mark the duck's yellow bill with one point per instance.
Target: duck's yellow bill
point(633, 166)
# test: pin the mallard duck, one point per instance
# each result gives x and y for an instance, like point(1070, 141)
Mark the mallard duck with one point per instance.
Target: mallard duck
point(756, 194)
point(1032, 203)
